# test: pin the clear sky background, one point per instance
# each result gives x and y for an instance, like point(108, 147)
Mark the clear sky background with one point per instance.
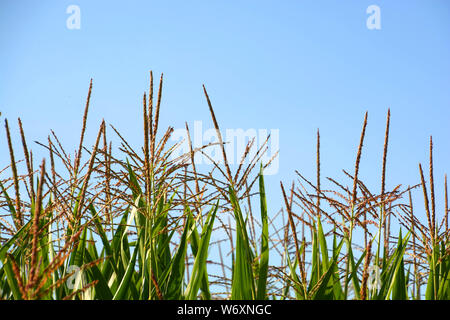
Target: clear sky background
point(290, 65)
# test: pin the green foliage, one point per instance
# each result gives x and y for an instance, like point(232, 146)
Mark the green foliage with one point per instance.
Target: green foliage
point(145, 228)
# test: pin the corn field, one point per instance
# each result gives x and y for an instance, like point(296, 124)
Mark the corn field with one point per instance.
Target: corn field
point(115, 222)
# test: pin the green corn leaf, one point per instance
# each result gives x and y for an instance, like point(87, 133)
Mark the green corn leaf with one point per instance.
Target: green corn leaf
point(102, 289)
point(353, 274)
point(125, 284)
point(392, 271)
point(323, 245)
point(4, 249)
point(11, 279)
point(324, 286)
point(315, 261)
point(202, 254)
point(134, 184)
point(399, 280)
point(243, 287)
point(297, 283)
point(195, 241)
point(11, 207)
point(337, 288)
point(264, 260)
point(177, 266)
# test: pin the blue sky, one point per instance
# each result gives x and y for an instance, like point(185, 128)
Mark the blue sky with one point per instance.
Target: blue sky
point(290, 65)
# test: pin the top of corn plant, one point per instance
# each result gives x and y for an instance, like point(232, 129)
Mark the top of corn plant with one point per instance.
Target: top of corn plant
point(121, 223)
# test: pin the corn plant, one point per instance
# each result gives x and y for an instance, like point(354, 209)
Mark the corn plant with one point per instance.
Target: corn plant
point(137, 224)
